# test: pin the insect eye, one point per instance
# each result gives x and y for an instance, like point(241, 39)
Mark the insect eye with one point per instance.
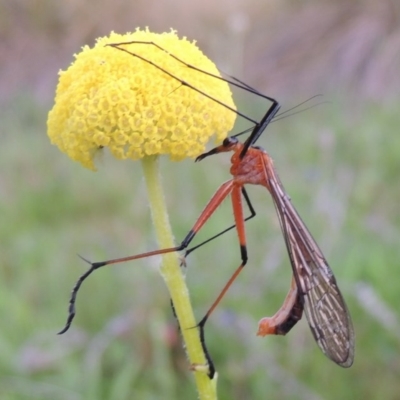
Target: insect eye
point(229, 141)
point(226, 142)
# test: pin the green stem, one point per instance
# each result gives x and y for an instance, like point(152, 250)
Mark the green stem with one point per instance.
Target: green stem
point(174, 279)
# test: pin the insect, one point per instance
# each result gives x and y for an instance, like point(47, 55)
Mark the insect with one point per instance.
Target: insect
point(313, 290)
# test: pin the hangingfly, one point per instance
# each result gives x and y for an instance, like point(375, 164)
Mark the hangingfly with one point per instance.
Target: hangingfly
point(313, 289)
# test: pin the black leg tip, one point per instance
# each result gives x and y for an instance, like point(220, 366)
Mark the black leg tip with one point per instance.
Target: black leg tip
point(68, 324)
point(63, 330)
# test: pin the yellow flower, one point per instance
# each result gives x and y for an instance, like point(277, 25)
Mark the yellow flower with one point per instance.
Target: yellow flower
point(108, 98)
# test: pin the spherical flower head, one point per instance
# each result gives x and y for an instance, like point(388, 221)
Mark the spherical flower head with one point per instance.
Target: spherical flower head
point(110, 98)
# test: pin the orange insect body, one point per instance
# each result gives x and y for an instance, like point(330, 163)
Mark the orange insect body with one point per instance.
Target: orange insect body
point(252, 168)
point(313, 288)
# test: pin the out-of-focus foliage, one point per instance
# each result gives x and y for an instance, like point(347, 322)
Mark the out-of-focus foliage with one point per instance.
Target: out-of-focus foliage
point(339, 162)
point(281, 47)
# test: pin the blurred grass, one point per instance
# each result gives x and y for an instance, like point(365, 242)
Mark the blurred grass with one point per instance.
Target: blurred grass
point(340, 168)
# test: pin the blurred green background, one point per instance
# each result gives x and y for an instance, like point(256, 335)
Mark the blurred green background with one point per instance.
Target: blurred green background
point(339, 162)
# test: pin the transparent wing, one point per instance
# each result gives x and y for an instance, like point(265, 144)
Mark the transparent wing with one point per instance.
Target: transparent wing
point(324, 306)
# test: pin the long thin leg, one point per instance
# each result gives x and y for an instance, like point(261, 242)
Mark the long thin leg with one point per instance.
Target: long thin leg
point(210, 363)
point(181, 81)
point(286, 317)
point(232, 80)
point(260, 127)
point(239, 221)
point(252, 215)
point(224, 190)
